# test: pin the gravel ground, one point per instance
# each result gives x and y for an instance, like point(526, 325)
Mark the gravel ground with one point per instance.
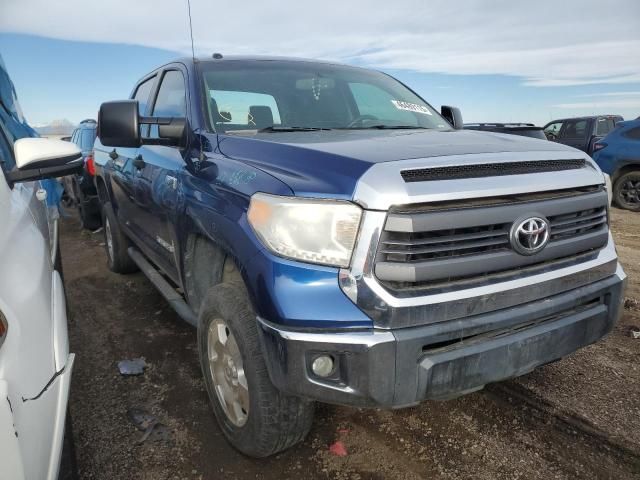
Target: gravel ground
point(577, 418)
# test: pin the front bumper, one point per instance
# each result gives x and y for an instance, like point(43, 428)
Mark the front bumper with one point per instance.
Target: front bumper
point(401, 367)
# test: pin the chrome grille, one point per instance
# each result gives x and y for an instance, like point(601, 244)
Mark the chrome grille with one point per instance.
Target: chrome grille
point(409, 247)
point(472, 239)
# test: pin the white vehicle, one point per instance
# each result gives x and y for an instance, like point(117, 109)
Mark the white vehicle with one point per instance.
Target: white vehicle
point(35, 363)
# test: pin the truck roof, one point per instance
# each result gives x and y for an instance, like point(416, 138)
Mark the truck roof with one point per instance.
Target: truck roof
point(584, 117)
point(257, 58)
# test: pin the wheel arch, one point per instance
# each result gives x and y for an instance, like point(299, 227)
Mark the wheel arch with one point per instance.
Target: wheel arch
point(206, 264)
point(628, 166)
point(103, 191)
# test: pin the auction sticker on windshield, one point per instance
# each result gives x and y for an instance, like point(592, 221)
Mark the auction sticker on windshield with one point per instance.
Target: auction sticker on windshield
point(411, 107)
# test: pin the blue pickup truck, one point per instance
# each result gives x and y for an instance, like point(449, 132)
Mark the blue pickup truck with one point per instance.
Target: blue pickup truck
point(334, 238)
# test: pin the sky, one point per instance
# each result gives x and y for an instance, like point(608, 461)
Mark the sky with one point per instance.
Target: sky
point(499, 61)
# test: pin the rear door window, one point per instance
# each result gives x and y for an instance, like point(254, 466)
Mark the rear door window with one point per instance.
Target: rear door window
point(143, 92)
point(575, 129)
point(604, 126)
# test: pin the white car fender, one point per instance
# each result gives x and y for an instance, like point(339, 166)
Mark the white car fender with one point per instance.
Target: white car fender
point(60, 329)
point(9, 445)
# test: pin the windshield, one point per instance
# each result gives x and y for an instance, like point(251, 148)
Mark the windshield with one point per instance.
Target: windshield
point(287, 96)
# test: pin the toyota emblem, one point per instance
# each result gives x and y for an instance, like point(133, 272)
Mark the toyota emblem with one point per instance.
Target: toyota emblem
point(530, 235)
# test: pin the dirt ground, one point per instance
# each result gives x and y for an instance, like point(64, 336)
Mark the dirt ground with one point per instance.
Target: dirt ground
point(577, 418)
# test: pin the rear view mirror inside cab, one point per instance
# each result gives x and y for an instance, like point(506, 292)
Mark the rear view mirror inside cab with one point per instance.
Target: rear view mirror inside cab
point(40, 158)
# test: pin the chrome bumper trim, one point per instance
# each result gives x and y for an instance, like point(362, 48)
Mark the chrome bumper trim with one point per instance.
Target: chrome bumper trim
point(392, 368)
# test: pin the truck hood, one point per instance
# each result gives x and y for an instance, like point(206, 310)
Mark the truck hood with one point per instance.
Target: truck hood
point(330, 163)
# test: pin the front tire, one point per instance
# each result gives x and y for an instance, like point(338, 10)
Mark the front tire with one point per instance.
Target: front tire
point(256, 418)
point(626, 191)
point(116, 243)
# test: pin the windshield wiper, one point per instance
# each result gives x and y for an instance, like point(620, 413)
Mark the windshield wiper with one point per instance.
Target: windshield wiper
point(389, 127)
point(274, 128)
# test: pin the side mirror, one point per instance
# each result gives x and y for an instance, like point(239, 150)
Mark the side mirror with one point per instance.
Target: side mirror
point(119, 124)
point(172, 129)
point(453, 115)
point(40, 158)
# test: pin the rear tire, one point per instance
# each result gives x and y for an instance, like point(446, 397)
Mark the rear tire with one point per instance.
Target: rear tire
point(268, 421)
point(116, 243)
point(626, 191)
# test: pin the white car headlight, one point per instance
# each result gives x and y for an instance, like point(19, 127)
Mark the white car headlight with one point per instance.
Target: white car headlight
point(314, 231)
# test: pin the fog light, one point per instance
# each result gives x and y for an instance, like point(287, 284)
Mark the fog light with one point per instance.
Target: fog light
point(322, 365)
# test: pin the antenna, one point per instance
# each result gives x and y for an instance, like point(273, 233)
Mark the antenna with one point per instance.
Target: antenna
point(193, 52)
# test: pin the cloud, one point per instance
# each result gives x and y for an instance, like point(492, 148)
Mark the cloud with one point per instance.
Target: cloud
point(546, 43)
point(608, 94)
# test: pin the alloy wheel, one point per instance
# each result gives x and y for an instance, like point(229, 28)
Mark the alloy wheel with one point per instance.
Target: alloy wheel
point(630, 191)
point(227, 372)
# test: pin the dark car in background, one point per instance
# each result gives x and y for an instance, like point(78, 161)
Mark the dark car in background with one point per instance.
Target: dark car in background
point(581, 132)
point(522, 129)
point(618, 154)
point(80, 188)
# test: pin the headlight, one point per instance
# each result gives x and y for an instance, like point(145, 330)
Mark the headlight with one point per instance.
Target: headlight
point(315, 231)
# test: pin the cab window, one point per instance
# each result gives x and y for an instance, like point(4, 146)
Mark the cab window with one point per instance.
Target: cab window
point(604, 126)
point(575, 129)
point(553, 129)
point(245, 110)
point(376, 102)
point(171, 99)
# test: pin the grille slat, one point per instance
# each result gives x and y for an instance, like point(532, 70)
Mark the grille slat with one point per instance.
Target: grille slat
point(600, 213)
point(447, 248)
point(578, 226)
point(447, 238)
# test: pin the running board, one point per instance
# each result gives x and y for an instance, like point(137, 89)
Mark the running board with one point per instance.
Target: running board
point(168, 292)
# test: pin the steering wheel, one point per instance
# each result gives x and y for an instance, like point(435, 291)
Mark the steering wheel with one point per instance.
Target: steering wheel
point(361, 119)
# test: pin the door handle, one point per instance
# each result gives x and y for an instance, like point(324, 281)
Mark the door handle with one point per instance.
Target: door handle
point(138, 162)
